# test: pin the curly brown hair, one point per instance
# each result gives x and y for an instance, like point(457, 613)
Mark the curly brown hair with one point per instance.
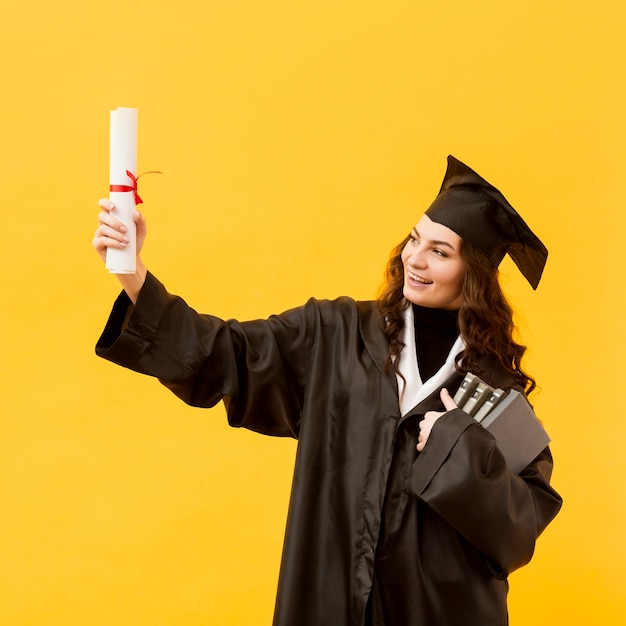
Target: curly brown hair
point(485, 316)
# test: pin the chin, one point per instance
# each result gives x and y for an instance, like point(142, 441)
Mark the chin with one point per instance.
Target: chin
point(418, 299)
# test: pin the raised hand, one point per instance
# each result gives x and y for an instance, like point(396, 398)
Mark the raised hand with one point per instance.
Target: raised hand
point(430, 417)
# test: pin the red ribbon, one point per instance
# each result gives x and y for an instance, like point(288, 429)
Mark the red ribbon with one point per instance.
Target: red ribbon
point(132, 187)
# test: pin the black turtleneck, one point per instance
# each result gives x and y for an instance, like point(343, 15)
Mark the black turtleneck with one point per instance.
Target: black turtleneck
point(436, 331)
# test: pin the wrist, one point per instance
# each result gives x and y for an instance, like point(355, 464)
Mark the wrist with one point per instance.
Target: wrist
point(132, 283)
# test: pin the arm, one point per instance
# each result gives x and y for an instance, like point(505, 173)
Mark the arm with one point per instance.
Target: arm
point(111, 233)
point(258, 368)
point(463, 476)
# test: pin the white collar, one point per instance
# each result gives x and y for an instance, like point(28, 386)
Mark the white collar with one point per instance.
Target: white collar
point(414, 390)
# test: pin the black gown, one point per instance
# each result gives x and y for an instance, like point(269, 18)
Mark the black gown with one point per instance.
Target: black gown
point(422, 539)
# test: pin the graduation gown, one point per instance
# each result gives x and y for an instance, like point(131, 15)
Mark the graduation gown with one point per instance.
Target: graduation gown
point(376, 533)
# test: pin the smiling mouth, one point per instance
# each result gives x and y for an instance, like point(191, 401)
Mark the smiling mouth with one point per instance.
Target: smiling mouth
point(418, 279)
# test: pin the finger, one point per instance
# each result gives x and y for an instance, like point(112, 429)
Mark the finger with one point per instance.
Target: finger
point(114, 230)
point(447, 400)
point(432, 416)
point(106, 204)
point(140, 222)
point(108, 236)
point(106, 219)
point(102, 242)
point(106, 216)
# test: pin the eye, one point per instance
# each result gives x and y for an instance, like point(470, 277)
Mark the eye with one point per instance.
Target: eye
point(440, 253)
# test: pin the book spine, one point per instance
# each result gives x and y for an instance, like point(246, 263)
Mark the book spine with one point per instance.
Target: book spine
point(491, 401)
point(480, 395)
point(465, 389)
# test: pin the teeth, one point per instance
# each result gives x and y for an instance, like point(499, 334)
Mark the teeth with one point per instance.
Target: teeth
point(419, 279)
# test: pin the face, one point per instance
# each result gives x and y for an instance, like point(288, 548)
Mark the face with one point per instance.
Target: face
point(433, 267)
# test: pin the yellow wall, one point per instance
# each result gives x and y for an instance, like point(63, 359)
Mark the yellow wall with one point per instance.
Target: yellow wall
point(299, 140)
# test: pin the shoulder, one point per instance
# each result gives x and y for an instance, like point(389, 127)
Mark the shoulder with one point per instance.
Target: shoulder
point(343, 306)
point(344, 313)
point(495, 375)
point(340, 312)
point(361, 312)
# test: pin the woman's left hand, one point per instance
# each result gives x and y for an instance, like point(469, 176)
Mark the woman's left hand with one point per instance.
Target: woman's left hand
point(430, 417)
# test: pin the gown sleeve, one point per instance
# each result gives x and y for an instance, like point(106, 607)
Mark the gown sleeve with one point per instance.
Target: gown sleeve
point(258, 368)
point(463, 476)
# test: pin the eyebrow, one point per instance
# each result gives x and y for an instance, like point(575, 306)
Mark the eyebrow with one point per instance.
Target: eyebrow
point(435, 242)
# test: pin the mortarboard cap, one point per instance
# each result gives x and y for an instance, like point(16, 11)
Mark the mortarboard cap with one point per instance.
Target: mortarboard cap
point(482, 216)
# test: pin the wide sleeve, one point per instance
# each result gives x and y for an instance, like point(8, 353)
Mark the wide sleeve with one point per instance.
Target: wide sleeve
point(258, 368)
point(463, 476)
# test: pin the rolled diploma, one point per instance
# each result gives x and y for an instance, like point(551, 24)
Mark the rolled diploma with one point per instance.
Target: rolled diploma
point(123, 156)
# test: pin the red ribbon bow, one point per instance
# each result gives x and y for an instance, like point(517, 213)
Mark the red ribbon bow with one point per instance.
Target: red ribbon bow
point(132, 187)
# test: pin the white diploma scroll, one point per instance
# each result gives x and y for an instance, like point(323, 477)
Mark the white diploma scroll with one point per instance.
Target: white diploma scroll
point(123, 159)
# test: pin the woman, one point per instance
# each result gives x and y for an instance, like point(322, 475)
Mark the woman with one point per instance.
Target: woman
point(403, 510)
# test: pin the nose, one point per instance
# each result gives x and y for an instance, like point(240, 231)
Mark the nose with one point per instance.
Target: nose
point(417, 258)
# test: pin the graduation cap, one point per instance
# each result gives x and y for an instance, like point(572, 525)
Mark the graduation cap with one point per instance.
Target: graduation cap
point(482, 216)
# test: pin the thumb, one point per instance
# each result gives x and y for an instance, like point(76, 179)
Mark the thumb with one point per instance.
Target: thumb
point(448, 402)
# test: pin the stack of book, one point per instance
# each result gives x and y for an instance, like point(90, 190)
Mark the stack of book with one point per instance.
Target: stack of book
point(507, 416)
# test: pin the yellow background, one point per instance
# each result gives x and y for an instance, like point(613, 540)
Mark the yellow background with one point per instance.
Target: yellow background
point(300, 140)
